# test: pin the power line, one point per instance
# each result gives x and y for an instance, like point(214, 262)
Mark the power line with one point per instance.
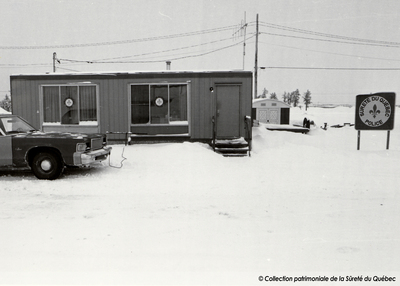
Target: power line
point(24, 65)
point(164, 51)
point(105, 61)
point(330, 53)
point(332, 41)
point(155, 61)
point(58, 67)
point(333, 38)
point(119, 42)
point(354, 39)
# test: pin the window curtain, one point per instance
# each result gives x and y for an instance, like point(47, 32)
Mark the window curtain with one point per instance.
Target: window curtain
point(87, 103)
point(178, 103)
point(140, 110)
point(51, 104)
point(159, 104)
point(69, 113)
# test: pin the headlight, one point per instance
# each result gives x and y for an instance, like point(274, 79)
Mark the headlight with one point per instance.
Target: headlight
point(80, 147)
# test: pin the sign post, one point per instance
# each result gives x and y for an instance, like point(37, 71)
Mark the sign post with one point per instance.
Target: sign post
point(375, 112)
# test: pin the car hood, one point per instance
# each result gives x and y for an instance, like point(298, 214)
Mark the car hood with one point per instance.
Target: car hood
point(58, 135)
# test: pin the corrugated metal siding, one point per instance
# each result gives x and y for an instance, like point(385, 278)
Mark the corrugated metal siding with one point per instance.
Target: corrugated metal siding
point(202, 108)
point(247, 98)
point(108, 106)
point(114, 102)
point(122, 100)
point(113, 105)
point(102, 104)
point(197, 116)
point(25, 100)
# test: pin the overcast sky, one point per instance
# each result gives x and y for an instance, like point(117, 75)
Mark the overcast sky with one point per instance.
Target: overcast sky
point(334, 48)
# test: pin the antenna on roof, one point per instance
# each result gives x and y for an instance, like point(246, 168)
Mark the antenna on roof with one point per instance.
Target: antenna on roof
point(242, 31)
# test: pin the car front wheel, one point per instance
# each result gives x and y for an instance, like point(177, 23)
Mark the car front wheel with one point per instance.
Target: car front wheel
point(47, 166)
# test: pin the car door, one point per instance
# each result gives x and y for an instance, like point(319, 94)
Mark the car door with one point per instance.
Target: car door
point(5, 150)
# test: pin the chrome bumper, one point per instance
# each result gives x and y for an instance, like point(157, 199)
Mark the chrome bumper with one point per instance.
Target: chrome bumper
point(88, 158)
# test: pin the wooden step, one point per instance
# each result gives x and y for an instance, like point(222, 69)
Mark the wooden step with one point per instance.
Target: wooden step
point(235, 147)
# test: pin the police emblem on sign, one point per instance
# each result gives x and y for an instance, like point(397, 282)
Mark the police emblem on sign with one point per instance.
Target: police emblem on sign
point(375, 111)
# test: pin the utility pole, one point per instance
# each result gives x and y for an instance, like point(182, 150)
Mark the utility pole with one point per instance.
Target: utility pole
point(256, 61)
point(54, 61)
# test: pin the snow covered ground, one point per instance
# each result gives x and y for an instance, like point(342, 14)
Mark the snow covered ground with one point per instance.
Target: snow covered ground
point(180, 214)
point(3, 111)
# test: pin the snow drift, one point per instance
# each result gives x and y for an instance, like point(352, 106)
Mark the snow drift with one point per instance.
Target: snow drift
point(301, 205)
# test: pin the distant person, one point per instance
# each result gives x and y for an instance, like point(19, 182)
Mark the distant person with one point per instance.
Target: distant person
point(305, 122)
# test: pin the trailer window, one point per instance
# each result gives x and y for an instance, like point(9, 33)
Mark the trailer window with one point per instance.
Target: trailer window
point(70, 105)
point(178, 103)
point(140, 104)
point(159, 104)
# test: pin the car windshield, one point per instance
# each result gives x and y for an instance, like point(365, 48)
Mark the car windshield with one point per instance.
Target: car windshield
point(14, 124)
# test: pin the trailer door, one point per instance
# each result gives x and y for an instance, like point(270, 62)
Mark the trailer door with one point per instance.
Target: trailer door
point(228, 111)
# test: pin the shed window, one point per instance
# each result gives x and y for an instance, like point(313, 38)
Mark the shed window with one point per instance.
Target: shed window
point(70, 105)
point(159, 104)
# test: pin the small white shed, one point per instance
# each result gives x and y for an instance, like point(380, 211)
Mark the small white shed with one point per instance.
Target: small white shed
point(271, 111)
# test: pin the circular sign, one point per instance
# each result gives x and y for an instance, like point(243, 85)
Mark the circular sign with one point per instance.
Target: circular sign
point(69, 102)
point(374, 111)
point(159, 101)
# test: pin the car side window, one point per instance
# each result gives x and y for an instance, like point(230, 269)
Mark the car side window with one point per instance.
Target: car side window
point(14, 124)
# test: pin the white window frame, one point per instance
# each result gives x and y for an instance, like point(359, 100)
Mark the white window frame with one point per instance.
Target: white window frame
point(41, 101)
point(188, 95)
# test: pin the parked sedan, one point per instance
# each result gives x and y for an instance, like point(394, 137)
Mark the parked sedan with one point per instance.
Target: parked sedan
point(46, 154)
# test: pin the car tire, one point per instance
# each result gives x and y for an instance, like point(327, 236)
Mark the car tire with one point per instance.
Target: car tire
point(47, 166)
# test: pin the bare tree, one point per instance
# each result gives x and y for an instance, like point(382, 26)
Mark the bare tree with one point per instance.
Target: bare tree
point(6, 103)
point(307, 98)
point(295, 97)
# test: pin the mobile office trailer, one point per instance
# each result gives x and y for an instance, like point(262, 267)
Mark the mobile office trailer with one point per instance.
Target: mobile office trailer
point(189, 105)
